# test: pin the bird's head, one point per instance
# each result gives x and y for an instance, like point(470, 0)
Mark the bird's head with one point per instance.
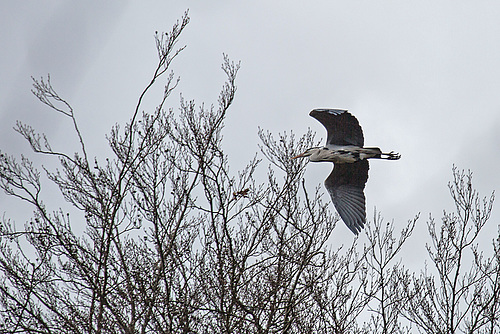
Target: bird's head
point(313, 153)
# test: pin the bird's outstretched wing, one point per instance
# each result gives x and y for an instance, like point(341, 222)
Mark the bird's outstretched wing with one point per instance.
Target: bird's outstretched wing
point(342, 127)
point(346, 184)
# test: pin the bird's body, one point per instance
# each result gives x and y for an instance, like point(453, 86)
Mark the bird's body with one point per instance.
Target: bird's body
point(343, 154)
point(344, 147)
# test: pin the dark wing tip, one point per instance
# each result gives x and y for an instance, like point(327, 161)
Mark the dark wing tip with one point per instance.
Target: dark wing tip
point(356, 226)
point(327, 111)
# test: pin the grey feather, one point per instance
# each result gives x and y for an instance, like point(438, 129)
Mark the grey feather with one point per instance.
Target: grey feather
point(346, 184)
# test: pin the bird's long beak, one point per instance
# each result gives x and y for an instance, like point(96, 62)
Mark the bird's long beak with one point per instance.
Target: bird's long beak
point(298, 156)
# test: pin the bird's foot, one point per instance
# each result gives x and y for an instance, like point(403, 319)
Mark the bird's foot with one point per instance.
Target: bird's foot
point(393, 155)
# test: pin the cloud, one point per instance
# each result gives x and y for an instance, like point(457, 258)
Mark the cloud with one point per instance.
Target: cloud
point(422, 77)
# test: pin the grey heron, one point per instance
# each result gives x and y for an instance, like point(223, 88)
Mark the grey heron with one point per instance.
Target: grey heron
point(344, 147)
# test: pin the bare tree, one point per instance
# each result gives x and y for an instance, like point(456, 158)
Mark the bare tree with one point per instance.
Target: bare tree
point(384, 268)
point(177, 242)
point(463, 294)
point(174, 241)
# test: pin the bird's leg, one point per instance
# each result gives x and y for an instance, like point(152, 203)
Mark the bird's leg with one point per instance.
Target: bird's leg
point(391, 155)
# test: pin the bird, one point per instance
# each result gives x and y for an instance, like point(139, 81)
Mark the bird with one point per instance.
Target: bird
point(344, 147)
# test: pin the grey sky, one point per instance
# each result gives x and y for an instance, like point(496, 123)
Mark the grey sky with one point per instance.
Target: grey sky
point(422, 77)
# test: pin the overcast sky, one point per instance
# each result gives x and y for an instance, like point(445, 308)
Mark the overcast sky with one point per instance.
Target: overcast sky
point(422, 77)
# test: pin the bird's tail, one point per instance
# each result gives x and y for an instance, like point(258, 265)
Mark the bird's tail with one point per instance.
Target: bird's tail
point(371, 153)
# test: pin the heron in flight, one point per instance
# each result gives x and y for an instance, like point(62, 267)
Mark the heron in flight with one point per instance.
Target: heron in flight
point(344, 147)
